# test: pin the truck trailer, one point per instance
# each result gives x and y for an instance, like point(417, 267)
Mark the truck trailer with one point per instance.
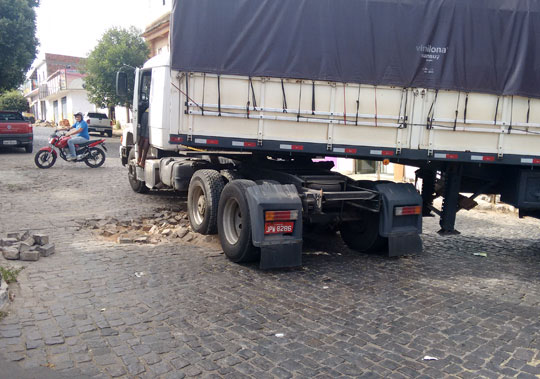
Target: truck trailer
point(254, 90)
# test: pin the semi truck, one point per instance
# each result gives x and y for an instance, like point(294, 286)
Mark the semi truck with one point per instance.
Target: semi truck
point(253, 91)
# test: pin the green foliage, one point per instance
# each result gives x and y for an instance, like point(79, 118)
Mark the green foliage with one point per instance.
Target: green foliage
point(13, 101)
point(10, 275)
point(18, 41)
point(117, 47)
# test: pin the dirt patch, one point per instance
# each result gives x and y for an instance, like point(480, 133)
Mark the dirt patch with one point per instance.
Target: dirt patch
point(164, 226)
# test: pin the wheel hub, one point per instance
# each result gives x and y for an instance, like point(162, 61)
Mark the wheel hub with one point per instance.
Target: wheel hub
point(201, 205)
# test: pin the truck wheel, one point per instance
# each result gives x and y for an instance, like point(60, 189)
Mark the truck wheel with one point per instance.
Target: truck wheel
point(136, 185)
point(29, 148)
point(363, 235)
point(109, 133)
point(234, 224)
point(203, 198)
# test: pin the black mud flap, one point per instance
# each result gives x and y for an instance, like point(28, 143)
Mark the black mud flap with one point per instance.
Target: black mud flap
point(277, 250)
point(404, 244)
point(279, 256)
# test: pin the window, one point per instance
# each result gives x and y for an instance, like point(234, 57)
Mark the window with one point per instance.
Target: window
point(11, 116)
point(97, 115)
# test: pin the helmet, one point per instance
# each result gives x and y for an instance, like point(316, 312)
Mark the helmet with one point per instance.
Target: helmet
point(77, 114)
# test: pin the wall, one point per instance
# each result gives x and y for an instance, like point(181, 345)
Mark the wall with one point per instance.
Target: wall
point(78, 102)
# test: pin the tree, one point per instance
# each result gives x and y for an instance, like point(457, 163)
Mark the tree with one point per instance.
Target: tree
point(117, 49)
point(13, 101)
point(18, 42)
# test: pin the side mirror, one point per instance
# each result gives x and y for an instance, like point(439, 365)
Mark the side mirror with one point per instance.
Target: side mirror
point(121, 83)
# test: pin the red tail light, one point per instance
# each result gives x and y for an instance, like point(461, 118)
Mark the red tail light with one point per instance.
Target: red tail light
point(280, 215)
point(88, 121)
point(407, 211)
point(111, 123)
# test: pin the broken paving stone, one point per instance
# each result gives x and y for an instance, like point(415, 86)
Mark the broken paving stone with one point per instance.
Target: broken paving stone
point(154, 229)
point(106, 233)
point(146, 228)
point(30, 255)
point(189, 237)
point(41, 239)
point(8, 241)
point(46, 250)
point(11, 253)
point(23, 247)
point(124, 240)
point(166, 232)
point(30, 241)
point(181, 232)
point(25, 235)
point(141, 240)
point(16, 235)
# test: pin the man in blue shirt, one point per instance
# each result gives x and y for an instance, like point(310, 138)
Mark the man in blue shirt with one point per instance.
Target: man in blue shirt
point(79, 133)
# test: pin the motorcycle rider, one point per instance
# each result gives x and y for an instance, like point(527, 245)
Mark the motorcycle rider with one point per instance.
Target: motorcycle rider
point(79, 134)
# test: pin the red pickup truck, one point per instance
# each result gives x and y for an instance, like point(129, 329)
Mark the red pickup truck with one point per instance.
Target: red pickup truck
point(15, 131)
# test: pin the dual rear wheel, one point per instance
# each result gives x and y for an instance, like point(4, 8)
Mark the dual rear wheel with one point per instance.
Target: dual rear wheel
point(216, 207)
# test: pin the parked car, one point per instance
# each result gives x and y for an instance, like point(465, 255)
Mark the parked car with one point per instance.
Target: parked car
point(15, 131)
point(99, 122)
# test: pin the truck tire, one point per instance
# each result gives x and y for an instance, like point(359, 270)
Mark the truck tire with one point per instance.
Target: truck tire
point(363, 235)
point(234, 224)
point(29, 148)
point(230, 175)
point(109, 133)
point(136, 185)
point(203, 199)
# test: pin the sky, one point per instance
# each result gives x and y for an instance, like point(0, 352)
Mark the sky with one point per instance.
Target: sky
point(73, 27)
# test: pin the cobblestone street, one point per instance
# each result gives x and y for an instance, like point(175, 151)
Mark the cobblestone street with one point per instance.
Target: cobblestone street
point(191, 312)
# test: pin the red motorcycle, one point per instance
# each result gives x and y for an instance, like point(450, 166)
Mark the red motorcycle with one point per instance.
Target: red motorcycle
point(87, 152)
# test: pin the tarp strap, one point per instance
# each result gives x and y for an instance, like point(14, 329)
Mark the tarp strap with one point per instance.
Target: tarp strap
point(252, 93)
point(284, 97)
point(465, 109)
point(376, 107)
point(219, 94)
point(457, 110)
point(511, 113)
point(313, 98)
point(248, 102)
point(344, 105)
point(203, 85)
point(357, 106)
point(496, 110)
point(299, 103)
point(404, 93)
point(187, 92)
point(431, 112)
point(528, 109)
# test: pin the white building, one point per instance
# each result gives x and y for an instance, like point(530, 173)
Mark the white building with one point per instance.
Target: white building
point(55, 89)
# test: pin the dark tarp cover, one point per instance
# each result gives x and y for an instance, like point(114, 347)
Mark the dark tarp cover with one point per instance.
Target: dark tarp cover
point(488, 46)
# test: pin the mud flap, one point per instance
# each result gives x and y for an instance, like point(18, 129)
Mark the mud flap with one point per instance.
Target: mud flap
point(277, 250)
point(279, 256)
point(404, 244)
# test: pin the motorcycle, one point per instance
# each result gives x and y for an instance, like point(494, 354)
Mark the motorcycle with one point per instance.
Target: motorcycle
point(87, 152)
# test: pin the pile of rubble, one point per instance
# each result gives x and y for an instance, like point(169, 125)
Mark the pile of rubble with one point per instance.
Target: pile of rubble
point(47, 124)
point(163, 227)
point(26, 246)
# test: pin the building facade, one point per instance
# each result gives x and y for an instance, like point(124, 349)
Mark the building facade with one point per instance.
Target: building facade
point(156, 32)
point(54, 89)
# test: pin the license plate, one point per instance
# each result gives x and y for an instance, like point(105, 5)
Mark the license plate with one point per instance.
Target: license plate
point(100, 129)
point(10, 142)
point(278, 227)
